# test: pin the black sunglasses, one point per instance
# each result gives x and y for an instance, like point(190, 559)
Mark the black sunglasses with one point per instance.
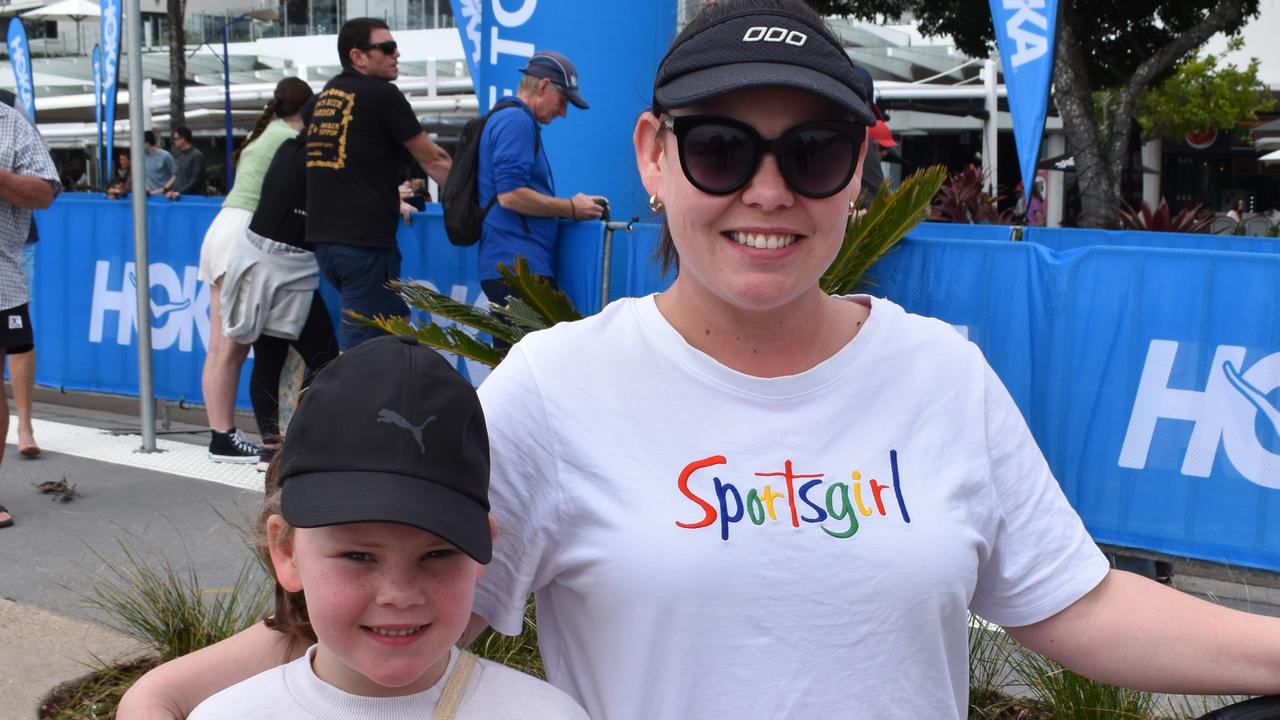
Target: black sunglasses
point(720, 155)
point(388, 47)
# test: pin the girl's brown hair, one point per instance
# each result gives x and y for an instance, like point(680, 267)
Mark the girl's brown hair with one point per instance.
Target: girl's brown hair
point(291, 94)
point(290, 614)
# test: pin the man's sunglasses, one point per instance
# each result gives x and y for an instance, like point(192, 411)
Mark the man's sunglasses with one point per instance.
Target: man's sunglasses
point(388, 47)
point(720, 155)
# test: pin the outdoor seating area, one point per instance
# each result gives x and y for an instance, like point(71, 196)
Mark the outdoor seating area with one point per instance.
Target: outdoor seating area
point(1256, 225)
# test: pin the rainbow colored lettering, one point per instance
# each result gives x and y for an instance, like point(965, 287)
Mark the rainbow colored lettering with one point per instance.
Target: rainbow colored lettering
point(799, 503)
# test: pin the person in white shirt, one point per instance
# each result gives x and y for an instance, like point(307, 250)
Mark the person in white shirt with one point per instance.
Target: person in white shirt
point(745, 498)
point(376, 530)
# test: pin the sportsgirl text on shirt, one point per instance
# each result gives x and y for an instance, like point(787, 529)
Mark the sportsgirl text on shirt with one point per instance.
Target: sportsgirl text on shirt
point(803, 498)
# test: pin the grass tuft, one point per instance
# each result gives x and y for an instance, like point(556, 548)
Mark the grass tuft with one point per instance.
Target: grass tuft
point(169, 611)
point(520, 652)
point(1065, 695)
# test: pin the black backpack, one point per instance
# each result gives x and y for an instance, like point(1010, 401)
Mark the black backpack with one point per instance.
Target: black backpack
point(460, 196)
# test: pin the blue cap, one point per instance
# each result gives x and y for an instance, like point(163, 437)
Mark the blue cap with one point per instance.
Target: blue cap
point(559, 70)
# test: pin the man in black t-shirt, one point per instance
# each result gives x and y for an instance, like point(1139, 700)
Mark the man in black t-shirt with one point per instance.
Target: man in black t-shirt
point(361, 128)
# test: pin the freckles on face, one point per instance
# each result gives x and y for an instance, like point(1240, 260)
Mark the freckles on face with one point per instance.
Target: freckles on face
point(387, 602)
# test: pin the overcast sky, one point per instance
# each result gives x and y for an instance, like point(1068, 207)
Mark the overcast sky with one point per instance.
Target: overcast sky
point(1260, 42)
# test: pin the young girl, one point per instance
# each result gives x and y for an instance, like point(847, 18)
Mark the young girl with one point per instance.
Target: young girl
point(378, 514)
point(280, 121)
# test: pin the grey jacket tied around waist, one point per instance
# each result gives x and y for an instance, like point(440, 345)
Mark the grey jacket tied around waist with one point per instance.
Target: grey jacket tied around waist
point(267, 289)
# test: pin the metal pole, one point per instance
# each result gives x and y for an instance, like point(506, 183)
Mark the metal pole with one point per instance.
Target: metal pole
point(606, 265)
point(226, 89)
point(606, 260)
point(146, 393)
point(990, 137)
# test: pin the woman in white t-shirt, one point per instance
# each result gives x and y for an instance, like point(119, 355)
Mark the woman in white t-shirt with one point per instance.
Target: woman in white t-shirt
point(744, 498)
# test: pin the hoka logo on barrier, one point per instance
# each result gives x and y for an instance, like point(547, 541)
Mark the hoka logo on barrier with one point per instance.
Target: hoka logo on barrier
point(1234, 411)
point(179, 306)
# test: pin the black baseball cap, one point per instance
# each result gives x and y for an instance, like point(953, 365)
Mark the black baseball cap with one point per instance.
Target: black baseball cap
point(390, 432)
point(771, 48)
point(559, 70)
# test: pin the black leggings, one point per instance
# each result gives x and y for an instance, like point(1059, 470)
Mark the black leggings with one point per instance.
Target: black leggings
point(317, 345)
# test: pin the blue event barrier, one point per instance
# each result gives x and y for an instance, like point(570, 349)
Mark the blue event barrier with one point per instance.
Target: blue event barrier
point(83, 302)
point(1149, 374)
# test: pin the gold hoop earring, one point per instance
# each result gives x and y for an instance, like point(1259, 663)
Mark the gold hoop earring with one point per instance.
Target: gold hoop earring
point(655, 204)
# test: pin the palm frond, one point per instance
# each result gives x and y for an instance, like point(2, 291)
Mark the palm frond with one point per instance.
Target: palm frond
point(421, 297)
point(521, 314)
point(890, 216)
point(534, 306)
point(553, 305)
point(450, 339)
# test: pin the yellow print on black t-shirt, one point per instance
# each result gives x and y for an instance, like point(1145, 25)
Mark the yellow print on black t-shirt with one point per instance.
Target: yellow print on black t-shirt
point(327, 133)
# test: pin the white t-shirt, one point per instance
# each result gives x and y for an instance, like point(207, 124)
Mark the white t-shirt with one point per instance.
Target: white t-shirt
point(495, 692)
point(613, 443)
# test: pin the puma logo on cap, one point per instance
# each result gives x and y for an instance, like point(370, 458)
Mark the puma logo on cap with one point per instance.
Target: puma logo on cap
point(391, 416)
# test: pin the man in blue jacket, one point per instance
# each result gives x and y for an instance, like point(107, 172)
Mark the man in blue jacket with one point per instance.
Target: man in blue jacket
point(513, 166)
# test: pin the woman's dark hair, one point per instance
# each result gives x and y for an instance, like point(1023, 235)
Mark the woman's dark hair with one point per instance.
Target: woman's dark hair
point(308, 111)
point(291, 94)
point(355, 34)
point(290, 614)
point(711, 12)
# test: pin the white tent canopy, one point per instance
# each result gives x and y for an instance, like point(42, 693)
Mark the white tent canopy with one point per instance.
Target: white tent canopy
point(72, 10)
point(1271, 157)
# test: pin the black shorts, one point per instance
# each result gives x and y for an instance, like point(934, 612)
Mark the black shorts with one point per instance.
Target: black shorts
point(15, 330)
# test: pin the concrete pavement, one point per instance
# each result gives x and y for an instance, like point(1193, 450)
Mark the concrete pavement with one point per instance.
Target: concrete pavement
point(175, 507)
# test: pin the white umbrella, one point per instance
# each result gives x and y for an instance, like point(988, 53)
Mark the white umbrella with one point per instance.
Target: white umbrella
point(73, 10)
point(1271, 157)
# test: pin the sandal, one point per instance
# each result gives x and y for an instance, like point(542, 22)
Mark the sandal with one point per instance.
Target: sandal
point(7, 521)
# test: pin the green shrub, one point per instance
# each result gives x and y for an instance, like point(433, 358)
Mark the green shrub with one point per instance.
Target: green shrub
point(169, 611)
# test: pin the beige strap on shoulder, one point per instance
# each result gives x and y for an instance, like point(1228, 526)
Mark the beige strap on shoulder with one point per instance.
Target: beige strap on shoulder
point(455, 687)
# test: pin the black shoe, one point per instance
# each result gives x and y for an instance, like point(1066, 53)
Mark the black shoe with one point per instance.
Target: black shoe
point(232, 447)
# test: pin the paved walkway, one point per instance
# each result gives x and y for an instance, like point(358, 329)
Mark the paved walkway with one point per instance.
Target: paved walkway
point(175, 507)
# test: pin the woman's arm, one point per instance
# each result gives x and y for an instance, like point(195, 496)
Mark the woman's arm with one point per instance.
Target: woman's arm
point(1136, 633)
point(173, 690)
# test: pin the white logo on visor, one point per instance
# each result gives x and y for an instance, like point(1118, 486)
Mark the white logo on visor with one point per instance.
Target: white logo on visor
point(761, 33)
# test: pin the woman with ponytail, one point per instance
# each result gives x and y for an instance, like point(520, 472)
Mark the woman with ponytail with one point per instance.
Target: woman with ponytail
point(280, 121)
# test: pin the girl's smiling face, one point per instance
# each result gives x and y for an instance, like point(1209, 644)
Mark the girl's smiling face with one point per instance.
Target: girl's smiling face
point(387, 601)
